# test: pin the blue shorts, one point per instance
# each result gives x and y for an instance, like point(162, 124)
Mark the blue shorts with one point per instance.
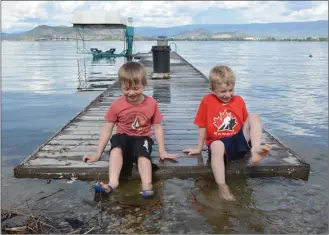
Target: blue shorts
point(236, 147)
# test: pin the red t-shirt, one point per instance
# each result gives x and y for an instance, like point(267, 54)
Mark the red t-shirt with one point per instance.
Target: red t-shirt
point(134, 119)
point(220, 119)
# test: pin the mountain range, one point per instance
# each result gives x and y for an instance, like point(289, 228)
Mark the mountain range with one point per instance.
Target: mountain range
point(261, 30)
point(195, 31)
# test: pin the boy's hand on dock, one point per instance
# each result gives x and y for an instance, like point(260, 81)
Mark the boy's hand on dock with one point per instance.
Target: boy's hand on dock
point(165, 155)
point(90, 158)
point(192, 151)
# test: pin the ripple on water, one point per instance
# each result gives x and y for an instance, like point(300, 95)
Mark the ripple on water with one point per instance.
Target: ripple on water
point(288, 89)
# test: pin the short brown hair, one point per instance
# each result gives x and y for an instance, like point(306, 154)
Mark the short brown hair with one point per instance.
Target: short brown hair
point(132, 73)
point(221, 75)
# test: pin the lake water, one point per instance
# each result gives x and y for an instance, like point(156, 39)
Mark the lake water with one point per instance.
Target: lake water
point(278, 80)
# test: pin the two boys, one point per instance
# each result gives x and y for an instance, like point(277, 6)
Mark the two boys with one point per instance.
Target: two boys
point(222, 118)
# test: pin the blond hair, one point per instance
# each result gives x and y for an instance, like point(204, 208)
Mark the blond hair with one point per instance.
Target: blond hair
point(221, 75)
point(131, 74)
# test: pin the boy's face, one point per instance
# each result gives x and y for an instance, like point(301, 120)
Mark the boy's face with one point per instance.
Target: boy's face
point(224, 92)
point(134, 93)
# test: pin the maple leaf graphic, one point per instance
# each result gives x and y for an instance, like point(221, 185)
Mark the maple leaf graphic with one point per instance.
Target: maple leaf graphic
point(219, 119)
point(225, 121)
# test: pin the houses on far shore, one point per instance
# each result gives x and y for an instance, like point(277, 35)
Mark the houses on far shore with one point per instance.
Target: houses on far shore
point(227, 37)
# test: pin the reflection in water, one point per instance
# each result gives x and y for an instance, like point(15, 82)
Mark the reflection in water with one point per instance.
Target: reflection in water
point(91, 78)
point(40, 84)
point(110, 60)
point(227, 217)
point(278, 81)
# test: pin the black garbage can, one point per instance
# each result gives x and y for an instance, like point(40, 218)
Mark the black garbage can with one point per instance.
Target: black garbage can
point(161, 59)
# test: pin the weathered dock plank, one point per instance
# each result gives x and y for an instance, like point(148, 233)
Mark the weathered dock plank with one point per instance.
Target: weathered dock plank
point(178, 97)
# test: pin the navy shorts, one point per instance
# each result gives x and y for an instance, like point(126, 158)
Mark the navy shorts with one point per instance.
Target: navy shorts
point(132, 147)
point(236, 147)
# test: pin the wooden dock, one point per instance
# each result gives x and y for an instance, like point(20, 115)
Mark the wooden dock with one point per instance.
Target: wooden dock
point(178, 97)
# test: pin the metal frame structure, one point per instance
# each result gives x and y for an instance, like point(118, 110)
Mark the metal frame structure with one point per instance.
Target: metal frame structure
point(103, 20)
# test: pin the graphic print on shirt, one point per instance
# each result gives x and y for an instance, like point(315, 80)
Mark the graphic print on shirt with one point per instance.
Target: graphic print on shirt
point(135, 124)
point(224, 123)
point(137, 121)
point(146, 145)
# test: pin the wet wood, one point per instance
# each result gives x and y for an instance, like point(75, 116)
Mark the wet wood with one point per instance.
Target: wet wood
point(178, 98)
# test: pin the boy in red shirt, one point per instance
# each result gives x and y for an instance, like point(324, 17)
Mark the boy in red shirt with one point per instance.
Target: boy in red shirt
point(226, 127)
point(134, 113)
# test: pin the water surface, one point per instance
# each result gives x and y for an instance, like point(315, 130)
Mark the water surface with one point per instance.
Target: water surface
point(278, 80)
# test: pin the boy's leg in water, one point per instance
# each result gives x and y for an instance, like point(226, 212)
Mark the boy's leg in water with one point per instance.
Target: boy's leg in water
point(218, 168)
point(115, 166)
point(142, 149)
point(145, 172)
point(252, 130)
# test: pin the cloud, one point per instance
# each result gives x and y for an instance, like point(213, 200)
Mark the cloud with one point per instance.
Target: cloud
point(319, 12)
point(233, 4)
point(68, 6)
point(299, 5)
point(13, 16)
point(264, 13)
point(281, 12)
point(163, 13)
point(150, 13)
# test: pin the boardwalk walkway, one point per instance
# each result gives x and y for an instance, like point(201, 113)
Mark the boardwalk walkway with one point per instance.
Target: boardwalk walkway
point(178, 97)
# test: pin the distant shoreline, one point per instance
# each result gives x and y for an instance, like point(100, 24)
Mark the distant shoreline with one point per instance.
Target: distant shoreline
point(177, 40)
point(288, 31)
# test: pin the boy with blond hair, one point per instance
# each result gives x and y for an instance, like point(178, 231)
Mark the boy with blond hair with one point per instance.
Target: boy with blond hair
point(226, 127)
point(134, 113)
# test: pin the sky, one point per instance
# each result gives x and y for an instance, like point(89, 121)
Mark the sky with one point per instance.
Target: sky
point(18, 16)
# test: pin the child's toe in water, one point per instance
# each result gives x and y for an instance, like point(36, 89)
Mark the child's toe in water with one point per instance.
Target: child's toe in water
point(258, 153)
point(226, 193)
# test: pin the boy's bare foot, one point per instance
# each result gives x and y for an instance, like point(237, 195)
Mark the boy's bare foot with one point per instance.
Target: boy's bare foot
point(226, 193)
point(259, 152)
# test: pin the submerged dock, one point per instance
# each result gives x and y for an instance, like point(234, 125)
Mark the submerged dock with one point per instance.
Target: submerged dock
point(178, 97)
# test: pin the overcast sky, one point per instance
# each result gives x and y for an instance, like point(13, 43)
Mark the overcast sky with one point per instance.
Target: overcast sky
point(25, 15)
